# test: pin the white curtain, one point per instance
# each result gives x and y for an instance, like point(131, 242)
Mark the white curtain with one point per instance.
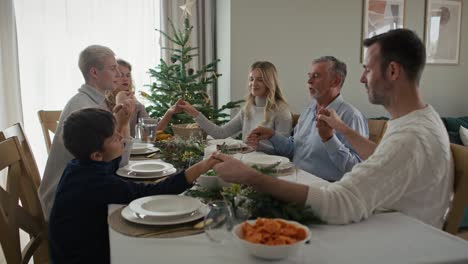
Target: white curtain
point(202, 18)
point(51, 34)
point(10, 94)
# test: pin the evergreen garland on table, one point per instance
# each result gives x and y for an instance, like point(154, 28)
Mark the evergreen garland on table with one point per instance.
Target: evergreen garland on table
point(175, 79)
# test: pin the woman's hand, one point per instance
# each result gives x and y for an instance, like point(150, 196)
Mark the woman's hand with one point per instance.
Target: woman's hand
point(188, 108)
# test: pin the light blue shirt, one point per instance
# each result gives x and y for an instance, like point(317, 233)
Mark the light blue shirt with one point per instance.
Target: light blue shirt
point(329, 160)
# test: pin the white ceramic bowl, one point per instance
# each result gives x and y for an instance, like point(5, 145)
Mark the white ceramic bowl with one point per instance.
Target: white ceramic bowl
point(266, 251)
point(208, 182)
point(212, 182)
point(149, 167)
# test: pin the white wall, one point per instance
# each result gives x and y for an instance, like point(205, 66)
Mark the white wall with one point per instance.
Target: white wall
point(292, 33)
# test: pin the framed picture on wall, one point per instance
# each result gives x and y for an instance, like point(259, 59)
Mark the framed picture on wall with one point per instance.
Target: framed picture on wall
point(442, 31)
point(380, 16)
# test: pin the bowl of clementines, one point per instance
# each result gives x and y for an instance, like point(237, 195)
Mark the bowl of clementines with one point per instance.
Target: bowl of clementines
point(271, 238)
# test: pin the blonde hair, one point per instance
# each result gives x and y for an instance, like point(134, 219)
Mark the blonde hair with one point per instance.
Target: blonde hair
point(110, 96)
point(274, 98)
point(93, 56)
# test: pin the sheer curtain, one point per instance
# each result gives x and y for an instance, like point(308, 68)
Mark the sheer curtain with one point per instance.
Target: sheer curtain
point(10, 94)
point(51, 34)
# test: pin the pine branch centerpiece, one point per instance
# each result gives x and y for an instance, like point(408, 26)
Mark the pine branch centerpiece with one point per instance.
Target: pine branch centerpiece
point(246, 203)
point(177, 79)
point(180, 152)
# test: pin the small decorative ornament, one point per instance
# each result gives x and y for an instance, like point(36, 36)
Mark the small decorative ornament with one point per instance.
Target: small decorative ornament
point(187, 8)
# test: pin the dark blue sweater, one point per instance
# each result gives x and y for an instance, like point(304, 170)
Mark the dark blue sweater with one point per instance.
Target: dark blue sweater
point(78, 230)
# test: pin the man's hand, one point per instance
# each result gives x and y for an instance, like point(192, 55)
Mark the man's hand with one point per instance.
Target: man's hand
point(232, 170)
point(192, 173)
point(332, 119)
point(258, 134)
point(325, 131)
point(122, 113)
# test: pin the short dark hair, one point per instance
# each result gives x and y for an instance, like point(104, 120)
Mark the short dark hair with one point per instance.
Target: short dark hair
point(85, 131)
point(404, 47)
point(336, 66)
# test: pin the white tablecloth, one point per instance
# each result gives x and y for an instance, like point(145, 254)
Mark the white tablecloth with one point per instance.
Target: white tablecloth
point(383, 238)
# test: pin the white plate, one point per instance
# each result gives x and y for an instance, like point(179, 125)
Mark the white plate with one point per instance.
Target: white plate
point(149, 167)
point(141, 146)
point(165, 205)
point(262, 159)
point(230, 143)
point(124, 172)
point(144, 151)
point(131, 216)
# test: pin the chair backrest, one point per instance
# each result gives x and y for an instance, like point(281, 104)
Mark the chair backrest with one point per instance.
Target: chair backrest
point(17, 131)
point(376, 129)
point(49, 121)
point(295, 119)
point(460, 193)
point(26, 215)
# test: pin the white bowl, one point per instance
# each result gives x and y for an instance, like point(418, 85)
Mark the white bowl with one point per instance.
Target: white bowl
point(267, 251)
point(165, 205)
point(149, 167)
point(212, 182)
point(208, 182)
point(262, 160)
point(141, 146)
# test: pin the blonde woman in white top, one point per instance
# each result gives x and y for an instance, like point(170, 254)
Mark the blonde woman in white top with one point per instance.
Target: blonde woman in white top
point(265, 106)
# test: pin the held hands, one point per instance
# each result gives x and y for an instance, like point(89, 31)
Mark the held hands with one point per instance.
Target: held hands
point(331, 118)
point(192, 173)
point(187, 108)
point(175, 108)
point(258, 134)
point(325, 131)
point(124, 108)
point(232, 170)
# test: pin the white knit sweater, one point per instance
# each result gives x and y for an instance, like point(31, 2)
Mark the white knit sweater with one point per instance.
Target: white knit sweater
point(411, 171)
point(280, 120)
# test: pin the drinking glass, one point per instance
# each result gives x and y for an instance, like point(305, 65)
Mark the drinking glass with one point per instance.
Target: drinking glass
point(219, 222)
point(287, 170)
point(148, 129)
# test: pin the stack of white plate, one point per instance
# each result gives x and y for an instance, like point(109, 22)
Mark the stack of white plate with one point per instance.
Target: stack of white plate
point(146, 169)
point(143, 148)
point(164, 210)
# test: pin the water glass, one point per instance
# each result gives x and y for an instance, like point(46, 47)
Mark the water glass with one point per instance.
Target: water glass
point(287, 170)
point(148, 129)
point(219, 222)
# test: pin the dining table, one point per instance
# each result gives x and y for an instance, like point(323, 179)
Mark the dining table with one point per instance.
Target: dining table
point(387, 237)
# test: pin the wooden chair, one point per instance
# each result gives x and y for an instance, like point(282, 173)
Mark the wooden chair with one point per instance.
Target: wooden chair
point(295, 119)
point(25, 215)
point(49, 121)
point(460, 193)
point(17, 131)
point(376, 129)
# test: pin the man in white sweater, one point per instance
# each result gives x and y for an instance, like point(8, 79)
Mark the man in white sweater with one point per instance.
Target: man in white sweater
point(99, 69)
point(410, 171)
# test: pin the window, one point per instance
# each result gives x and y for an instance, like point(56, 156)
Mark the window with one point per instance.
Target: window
point(52, 33)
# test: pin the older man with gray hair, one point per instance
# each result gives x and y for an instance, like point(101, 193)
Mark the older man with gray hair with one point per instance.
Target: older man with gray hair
point(99, 69)
point(315, 146)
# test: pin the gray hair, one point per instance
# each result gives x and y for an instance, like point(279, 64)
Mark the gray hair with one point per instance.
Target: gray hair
point(93, 56)
point(335, 66)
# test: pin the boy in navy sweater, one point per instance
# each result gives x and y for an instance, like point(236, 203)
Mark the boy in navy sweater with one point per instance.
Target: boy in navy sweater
point(78, 230)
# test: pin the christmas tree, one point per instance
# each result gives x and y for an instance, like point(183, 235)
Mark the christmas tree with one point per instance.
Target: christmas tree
point(176, 79)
